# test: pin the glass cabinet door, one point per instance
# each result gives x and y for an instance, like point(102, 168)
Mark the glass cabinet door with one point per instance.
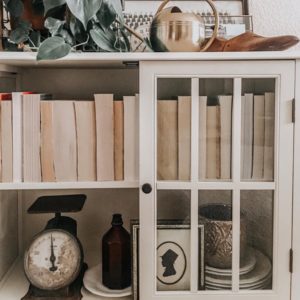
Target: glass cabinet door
point(215, 223)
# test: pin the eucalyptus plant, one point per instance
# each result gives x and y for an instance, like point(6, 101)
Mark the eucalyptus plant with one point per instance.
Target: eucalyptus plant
point(87, 25)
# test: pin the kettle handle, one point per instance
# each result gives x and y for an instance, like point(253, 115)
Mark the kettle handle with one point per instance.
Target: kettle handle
point(216, 15)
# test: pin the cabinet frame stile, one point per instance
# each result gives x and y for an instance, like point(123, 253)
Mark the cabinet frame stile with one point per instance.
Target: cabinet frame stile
point(296, 203)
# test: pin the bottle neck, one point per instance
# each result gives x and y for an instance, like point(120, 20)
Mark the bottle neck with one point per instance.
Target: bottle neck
point(117, 220)
point(116, 225)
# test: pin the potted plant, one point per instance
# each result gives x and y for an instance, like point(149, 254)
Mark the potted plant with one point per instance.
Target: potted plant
point(86, 25)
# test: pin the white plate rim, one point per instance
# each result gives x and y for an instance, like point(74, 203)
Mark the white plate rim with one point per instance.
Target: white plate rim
point(112, 293)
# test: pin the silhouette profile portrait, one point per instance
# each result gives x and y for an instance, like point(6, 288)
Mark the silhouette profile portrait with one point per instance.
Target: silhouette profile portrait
point(168, 261)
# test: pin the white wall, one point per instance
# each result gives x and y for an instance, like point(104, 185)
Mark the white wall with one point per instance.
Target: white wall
point(276, 17)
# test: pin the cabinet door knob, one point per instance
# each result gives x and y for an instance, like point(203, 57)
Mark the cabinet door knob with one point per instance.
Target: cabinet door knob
point(147, 188)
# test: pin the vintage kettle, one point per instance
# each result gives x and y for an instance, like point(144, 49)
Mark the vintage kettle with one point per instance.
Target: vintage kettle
point(175, 31)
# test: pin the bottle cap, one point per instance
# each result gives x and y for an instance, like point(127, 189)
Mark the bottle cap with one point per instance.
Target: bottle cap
point(117, 220)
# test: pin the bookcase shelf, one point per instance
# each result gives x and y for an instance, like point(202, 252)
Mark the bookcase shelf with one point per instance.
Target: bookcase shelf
point(161, 185)
point(69, 185)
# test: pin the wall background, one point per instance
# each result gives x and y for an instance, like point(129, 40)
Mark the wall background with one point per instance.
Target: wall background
point(276, 17)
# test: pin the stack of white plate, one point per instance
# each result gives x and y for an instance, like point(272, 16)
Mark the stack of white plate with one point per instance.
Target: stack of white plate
point(92, 282)
point(255, 274)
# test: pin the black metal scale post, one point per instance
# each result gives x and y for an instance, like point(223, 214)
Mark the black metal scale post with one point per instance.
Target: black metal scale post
point(60, 232)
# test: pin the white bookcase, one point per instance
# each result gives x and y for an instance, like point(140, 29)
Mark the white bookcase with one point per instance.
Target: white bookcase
point(270, 207)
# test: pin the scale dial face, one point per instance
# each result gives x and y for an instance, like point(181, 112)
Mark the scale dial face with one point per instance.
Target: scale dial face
point(53, 260)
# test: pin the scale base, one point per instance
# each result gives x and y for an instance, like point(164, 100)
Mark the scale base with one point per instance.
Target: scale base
point(72, 292)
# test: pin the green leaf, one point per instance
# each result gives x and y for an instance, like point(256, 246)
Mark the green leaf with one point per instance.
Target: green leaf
point(66, 36)
point(106, 14)
point(56, 28)
point(78, 30)
point(19, 35)
point(53, 25)
point(21, 32)
point(104, 39)
point(50, 4)
point(58, 12)
point(24, 24)
point(14, 7)
point(53, 48)
point(84, 10)
point(117, 6)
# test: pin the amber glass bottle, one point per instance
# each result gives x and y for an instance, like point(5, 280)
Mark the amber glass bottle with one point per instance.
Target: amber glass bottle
point(116, 256)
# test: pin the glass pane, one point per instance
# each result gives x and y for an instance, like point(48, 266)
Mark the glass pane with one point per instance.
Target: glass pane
point(173, 240)
point(215, 213)
point(258, 129)
point(256, 248)
point(173, 129)
point(215, 129)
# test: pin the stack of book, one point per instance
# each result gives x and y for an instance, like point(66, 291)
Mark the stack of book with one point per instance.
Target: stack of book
point(258, 132)
point(45, 140)
point(174, 138)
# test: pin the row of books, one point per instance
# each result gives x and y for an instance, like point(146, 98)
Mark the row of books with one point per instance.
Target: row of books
point(215, 137)
point(174, 138)
point(51, 140)
point(46, 140)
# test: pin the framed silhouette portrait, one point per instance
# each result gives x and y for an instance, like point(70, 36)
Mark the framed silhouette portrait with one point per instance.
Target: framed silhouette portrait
point(173, 263)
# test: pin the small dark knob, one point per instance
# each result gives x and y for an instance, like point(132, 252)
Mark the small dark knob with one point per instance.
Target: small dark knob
point(147, 188)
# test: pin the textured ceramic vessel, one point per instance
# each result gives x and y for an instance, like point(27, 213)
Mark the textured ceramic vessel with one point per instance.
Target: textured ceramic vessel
point(217, 220)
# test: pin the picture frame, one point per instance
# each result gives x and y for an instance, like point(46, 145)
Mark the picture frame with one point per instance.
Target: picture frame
point(173, 267)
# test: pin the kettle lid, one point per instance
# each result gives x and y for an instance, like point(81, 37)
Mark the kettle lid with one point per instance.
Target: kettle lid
point(169, 10)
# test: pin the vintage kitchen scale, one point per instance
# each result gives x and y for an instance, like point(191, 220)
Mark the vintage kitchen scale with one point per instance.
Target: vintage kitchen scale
point(53, 262)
